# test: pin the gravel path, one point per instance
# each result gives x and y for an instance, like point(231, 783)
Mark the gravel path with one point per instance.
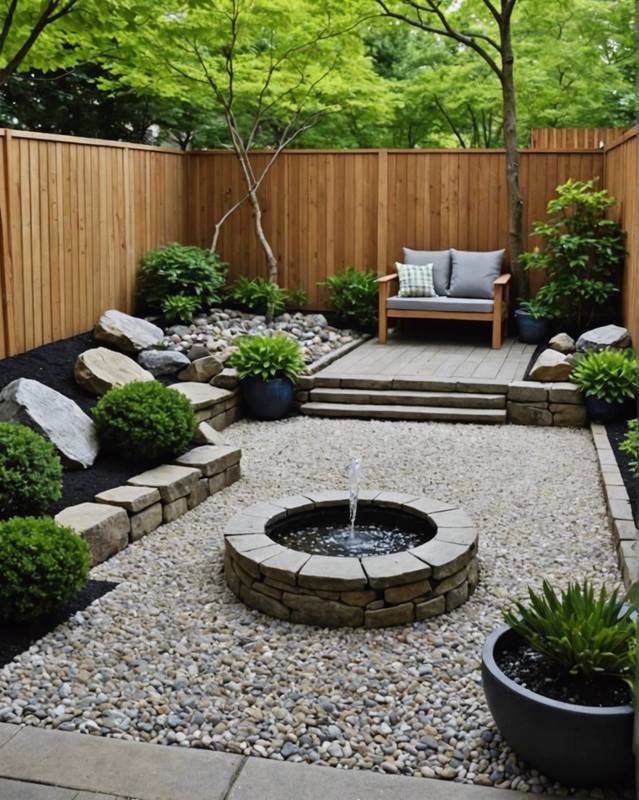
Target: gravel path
point(171, 656)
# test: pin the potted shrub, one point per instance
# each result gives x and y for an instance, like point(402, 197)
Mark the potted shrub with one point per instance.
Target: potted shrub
point(608, 380)
point(533, 321)
point(267, 367)
point(558, 683)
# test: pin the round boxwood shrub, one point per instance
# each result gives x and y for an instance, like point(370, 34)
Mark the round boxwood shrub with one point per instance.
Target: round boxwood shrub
point(43, 566)
point(144, 421)
point(30, 471)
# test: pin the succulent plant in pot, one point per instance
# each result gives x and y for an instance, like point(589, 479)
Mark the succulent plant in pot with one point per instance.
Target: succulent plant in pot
point(533, 321)
point(558, 680)
point(268, 367)
point(608, 380)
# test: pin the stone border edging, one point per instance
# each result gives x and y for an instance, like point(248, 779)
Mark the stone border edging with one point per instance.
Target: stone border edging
point(372, 591)
point(624, 530)
point(328, 358)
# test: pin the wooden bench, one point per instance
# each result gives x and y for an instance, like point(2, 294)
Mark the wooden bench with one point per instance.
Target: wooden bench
point(497, 315)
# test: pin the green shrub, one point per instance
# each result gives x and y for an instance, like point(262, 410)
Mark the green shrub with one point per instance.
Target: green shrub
point(630, 446)
point(30, 471)
point(144, 420)
point(267, 357)
point(354, 295)
point(43, 566)
point(585, 633)
point(582, 252)
point(609, 375)
point(179, 308)
point(178, 269)
point(263, 297)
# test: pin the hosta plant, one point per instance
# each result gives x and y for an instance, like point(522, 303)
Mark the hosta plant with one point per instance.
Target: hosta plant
point(354, 295)
point(630, 446)
point(179, 308)
point(609, 375)
point(585, 632)
point(267, 357)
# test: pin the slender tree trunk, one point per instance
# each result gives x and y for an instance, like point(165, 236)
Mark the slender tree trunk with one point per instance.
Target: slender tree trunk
point(259, 230)
point(515, 202)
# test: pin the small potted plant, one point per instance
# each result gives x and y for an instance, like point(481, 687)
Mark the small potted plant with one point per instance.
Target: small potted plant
point(558, 680)
point(533, 321)
point(267, 367)
point(608, 380)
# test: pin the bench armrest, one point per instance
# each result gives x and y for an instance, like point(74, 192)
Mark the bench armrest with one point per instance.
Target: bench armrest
point(502, 280)
point(387, 278)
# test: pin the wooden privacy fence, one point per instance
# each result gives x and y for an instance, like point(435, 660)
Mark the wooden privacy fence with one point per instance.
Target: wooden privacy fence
point(574, 138)
point(77, 214)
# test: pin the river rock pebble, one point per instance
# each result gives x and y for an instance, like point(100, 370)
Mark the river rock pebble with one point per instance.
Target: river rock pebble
point(172, 657)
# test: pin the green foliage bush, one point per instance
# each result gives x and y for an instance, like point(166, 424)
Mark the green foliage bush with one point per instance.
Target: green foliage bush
point(263, 297)
point(144, 420)
point(267, 357)
point(609, 375)
point(179, 308)
point(630, 446)
point(30, 471)
point(536, 307)
point(43, 566)
point(582, 252)
point(584, 632)
point(178, 269)
point(354, 295)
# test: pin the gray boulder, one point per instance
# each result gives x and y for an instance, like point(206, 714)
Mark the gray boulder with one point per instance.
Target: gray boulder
point(551, 366)
point(562, 343)
point(201, 370)
point(603, 338)
point(53, 415)
point(126, 333)
point(100, 369)
point(163, 362)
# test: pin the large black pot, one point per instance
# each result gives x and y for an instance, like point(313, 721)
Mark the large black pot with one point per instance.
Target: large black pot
point(271, 399)
point(532, 330)
point(603, 411)
point(576, 745)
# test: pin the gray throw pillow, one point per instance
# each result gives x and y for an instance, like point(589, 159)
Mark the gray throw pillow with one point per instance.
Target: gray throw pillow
point(440, 259)
point(473, 274)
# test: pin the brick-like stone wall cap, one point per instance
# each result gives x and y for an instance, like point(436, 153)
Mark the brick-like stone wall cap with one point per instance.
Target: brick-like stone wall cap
point(394, 569)
point(251, 541)
point(528, 390)
point(241, 524)
point(294, 503)
point(391, 499)
point(269, 512)
point(327, 497)
point(284, 566)
point(445, 558)
point(210, 458)
point(427, 505)
point(332, 573)
point(132, 498)
point(465, 536)
point(201, 395)
point(85, 516)
point(172, 481)
point(455, 518)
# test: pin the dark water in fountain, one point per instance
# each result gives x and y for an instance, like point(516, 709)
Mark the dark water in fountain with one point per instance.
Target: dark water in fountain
point(327, 532)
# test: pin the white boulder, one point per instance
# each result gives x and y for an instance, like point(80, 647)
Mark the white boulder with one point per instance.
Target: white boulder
point(126, 333)
point(100, 369)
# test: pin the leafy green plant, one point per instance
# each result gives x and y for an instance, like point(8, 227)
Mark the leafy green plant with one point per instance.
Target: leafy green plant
point(144, 420)
point(264, 297)
point(536, 307)
point(586, 633)
point(609, 375)
point(630, 446)
point(30, 471)
point(267, 357)
point(43, 566)
point(354, 295)
point(179, 308)
point(178, 269)
point(582, 252)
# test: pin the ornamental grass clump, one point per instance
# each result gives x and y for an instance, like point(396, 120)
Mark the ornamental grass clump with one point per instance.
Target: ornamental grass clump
point(584, 632)
point(43, 566)
point(609, 375)
point(30, 471)
point(144, 420)
point(267, 357)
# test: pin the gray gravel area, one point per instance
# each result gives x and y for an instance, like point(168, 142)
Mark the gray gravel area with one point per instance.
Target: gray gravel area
point(172, 657)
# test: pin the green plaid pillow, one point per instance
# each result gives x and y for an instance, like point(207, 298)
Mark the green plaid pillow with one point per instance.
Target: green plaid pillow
point(415, 280)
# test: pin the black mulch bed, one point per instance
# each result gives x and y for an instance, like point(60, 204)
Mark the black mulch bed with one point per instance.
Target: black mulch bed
point(616, 432)
point(534, 671)
point(15, 639)
point(52, 364)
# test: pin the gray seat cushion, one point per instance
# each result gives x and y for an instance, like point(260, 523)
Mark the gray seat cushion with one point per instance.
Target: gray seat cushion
point(474, 274)
point(440, 304)
point(440, 259)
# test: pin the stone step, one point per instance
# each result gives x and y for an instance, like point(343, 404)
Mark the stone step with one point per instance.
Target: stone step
point(408, 398)
point(416, 413)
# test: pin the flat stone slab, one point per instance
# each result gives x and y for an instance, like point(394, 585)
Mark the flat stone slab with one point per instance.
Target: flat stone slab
point(445, 558)
point(394, 569)
point(201, 370)
point(126, 333)
point(327, 498)
point(332, 573)
point(284, 566)
point(242, 524)
point(171, 481)
point(131, 498)
point(201, 395)
point(211, 459)
point(104, 528)
point(100, 369)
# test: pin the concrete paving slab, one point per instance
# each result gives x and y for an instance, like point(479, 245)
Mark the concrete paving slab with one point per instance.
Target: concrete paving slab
point(112, 766)
point(7, 732)
point(17, 790)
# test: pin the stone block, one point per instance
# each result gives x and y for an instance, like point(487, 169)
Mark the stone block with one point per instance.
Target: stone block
point(210, 459)
point(361, 598)
point(284, 566)
point(527, 414)
point(302, 397)
point(445, 558)
point(175, 509)
point(427, 506)
point(624, 530)
point(198, 493)
point(328, 498)
point(455, 518)
point(332, 573)
point(264, 603)
point(204, 415)
point(526, 391)
point(232, 474)
point(201, 370)
point(481, 386)
point(294, 503)
point(409, 591)
point(206, 434)
point(565, 392)
point(396, 615)
point(146, 521)
point(264, 588)
point(394, 569)
point(231, 577)
point(269, 512)
point(316, 611)
point(250, 560)
point(226, 379)
point(395, 499)
point(457, 596)
point(217, 482)
point(473, 575)
point(131, 498)
point(171, 481)
point(104, 528)
point(467, 536)
point(568, 415)
point(201, 395)
point(620, 509)
point(451, 582)
point(430, 608)
point(241, 524)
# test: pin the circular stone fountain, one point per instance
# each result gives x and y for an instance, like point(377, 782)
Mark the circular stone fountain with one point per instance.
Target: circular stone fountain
point(409, 558)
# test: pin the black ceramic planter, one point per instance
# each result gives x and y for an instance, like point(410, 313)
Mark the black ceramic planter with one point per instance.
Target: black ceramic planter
point(271, 399)
point(576, 745)
point(603, 411)
point(531, 330)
